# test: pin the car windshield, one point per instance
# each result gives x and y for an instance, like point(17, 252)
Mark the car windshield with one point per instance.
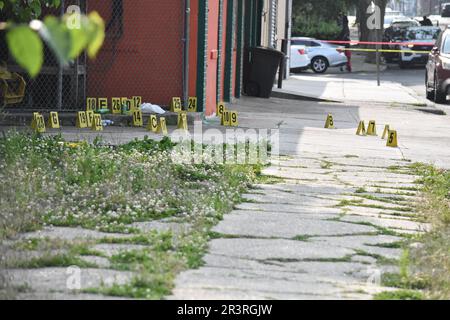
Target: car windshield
point(404, 24)
point(423, 34)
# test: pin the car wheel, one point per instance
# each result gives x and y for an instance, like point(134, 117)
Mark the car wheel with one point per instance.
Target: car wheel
point(319, 64)
point(439, 96)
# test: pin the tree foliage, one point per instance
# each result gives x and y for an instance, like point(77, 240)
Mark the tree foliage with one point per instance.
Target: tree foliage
point(67, 37)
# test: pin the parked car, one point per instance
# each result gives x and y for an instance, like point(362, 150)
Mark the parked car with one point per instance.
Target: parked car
point(425, 37)
point(445, 10)
point(299, 58)
point(437, 78)
point(322, 55)
point(396, 33)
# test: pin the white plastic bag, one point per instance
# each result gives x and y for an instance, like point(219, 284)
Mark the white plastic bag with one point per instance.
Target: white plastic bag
point(152, 108)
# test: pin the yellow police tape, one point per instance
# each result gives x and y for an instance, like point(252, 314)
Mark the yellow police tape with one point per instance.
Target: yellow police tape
point(384, 50)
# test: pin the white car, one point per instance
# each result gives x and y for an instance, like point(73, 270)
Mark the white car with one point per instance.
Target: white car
point(299, 58)
point(322, 55)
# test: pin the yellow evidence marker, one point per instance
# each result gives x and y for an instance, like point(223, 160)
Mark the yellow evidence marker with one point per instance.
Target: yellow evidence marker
point(226, 119)
point(90, 118)
point(91, 104)
point(385, 132)
point(103, 103)
point(329, 124)
point(152, 124)
point(127, 103)
point(175, 105)
point(234, 119)
point(97, 123)
point(33, 121)
point(137, 101)
point(192, 104)
point(138, 120)
point(162, 126)
point(372, 129)
point(116, 105)
point(81, 120)
point(39, 123)
point(182, 121)
point(220, 109)
point(392, 139)
point(361, 129)
point(53, 121)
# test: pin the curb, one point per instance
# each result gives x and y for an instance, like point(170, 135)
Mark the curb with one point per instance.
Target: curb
point(289, 95)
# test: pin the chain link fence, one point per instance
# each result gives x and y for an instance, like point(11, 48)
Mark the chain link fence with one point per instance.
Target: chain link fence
point(142, 56)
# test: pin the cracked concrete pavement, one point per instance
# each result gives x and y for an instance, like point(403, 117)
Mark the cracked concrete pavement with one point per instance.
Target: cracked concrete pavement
point(330, 228)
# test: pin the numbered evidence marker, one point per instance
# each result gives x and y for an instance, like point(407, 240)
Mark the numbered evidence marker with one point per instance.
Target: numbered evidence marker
point(330, 122)
point(162, 126)
point(372, 129)
point(392, 139)
point(38, 123)
point(91, 104)
point(361, 129)
point(137, 102)
point(53, 120)
point(127, 104)
point(220, 109)
point(90, 118)
point(138, 120)
point(116, 105)
point(175, 105)
point(192, 107)
point(234, 119)
point(182, 121)
point(81, 120)
point(226, 118)
point(152, 124)
point(385, 132)
point(97, 123)
point(103, 103)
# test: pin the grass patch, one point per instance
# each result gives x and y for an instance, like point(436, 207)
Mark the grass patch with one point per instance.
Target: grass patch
point(46, 181)
point(400, 295)
point(431, 259)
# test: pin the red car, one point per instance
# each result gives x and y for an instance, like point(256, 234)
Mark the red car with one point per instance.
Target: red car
point(437, 79)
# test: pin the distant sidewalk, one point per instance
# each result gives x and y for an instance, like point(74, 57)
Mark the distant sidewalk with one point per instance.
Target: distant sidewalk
point(339, 89)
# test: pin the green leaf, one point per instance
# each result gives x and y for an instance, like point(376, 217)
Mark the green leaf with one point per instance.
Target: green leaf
point(96, 30)
point(27, 49)
point(58, 37)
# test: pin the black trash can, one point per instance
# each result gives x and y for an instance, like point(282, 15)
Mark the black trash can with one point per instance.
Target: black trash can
point(260, 70)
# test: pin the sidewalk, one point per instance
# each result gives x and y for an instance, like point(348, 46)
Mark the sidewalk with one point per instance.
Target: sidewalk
point(332, 86)
point(348, 90)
